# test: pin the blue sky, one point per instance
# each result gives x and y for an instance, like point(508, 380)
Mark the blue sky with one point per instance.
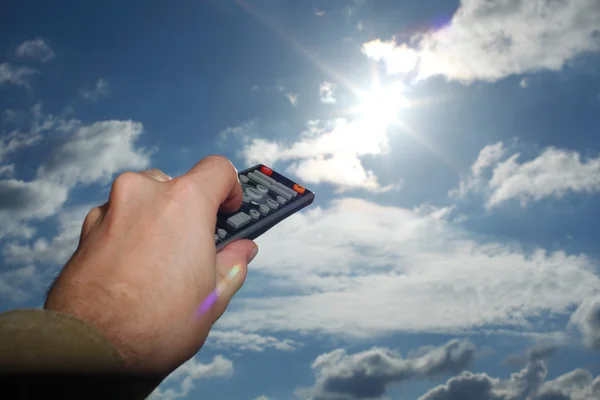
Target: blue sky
point(451, 252)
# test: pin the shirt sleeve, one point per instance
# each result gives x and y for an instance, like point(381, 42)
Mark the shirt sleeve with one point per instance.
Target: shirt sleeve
point(44, 353)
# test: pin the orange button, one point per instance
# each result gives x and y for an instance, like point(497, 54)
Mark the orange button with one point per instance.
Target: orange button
point(298, 188)
point(266, 170)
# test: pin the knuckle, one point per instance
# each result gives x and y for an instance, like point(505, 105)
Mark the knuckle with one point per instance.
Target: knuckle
point(124, 184)
point(218, 161)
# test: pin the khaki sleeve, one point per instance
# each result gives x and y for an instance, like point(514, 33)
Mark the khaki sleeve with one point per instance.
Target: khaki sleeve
point(44, 353)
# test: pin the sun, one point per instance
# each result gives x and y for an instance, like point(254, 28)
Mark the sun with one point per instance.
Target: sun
point(381, 105)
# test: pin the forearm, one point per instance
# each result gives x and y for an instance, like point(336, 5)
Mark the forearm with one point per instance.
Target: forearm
point(43, 353)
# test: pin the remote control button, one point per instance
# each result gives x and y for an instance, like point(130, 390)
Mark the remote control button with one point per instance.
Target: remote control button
point(264, 209)
point(254, 193)
point(286, 189)
point(261, 178)
point(254, 214)
point(266, 170)
point(265, 177)
point(222, 233)
point(281, 200)
point(273, 204)
point(246, 199)
point(262, 189)
point(238, 220)
point(244, 179)
point(216, 238)
point(298, 188)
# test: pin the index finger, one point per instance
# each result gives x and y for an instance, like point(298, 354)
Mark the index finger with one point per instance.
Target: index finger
point(218, 179)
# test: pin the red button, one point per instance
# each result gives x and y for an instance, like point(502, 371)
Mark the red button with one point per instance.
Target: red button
point(266, 170)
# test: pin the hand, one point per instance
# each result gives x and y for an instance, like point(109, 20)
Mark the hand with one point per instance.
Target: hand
point(146, 261)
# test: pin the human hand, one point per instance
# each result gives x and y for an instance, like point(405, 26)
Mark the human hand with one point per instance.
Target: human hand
point(146, 261)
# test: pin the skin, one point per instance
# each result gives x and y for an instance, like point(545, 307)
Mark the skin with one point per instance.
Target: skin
point(146, 261)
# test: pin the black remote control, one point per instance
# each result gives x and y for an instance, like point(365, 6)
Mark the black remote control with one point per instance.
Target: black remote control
point(269, 198)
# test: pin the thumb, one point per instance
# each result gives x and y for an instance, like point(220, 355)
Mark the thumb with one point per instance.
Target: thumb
point(232, 269)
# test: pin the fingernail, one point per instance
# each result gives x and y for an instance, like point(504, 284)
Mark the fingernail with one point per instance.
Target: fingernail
point(253, 254)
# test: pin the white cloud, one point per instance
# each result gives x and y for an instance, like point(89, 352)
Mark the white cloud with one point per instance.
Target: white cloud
point(13, 141)
point(524, 83)
point(190, 371)
point(553, 173)
point(36, 48)
point(248, 341)
point(7, 170)
point(20, 76)
point(100, 89)
point(320, 13)
point(59, 248)
point(326, 92)
point(95, 153)
point(529, 383)
point(368, 374)
point(587, 319)
point(82, 154)
point(17, 285)
point(292, 98)
point(328, 152)
point(397, 270)
point(492, 39)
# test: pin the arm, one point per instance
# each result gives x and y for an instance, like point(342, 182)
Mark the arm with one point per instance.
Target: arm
point(46, 354)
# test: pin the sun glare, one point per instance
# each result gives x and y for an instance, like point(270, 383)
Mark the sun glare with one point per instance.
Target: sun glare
point(381, 105)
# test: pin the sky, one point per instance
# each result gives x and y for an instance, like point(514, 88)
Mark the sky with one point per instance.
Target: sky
point(453, 147)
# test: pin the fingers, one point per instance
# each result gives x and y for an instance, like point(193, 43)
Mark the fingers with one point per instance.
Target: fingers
point(93, 218)
point(157, 174)
point(217, 177)
point(232, 268)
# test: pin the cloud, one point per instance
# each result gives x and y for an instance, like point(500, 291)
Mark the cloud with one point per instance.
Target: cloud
point(57, 250)
point(367, 375)
point(553, 173)
point(529, 383)
point(248, 341)
point(402, 270)
point(320, 13)
point(7, 170)
point(327, 151)
point(19, 76)
point(492, 39)
point(587, 319)
point(94, 153)
point(190, 371)
point(36, 48)
point(540, 351)
point(524, 83)
point(292, 98)
point(78, 154)
point(17, 285)
point(100, 89)
point(326, 92)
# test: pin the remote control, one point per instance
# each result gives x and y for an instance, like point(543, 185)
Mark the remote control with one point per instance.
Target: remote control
point(269, 198)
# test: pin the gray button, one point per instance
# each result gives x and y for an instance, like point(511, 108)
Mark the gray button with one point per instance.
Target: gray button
point(254, 214)
point(246, 198)
point(244, 179)
point(281, 186)
point(265, 177)
point(273, 204)
point(262, 189)
point(281, 200)
point(264, 209)
point(238, 220)
point(222, 233)
point(261, 178)
point(254, 193)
